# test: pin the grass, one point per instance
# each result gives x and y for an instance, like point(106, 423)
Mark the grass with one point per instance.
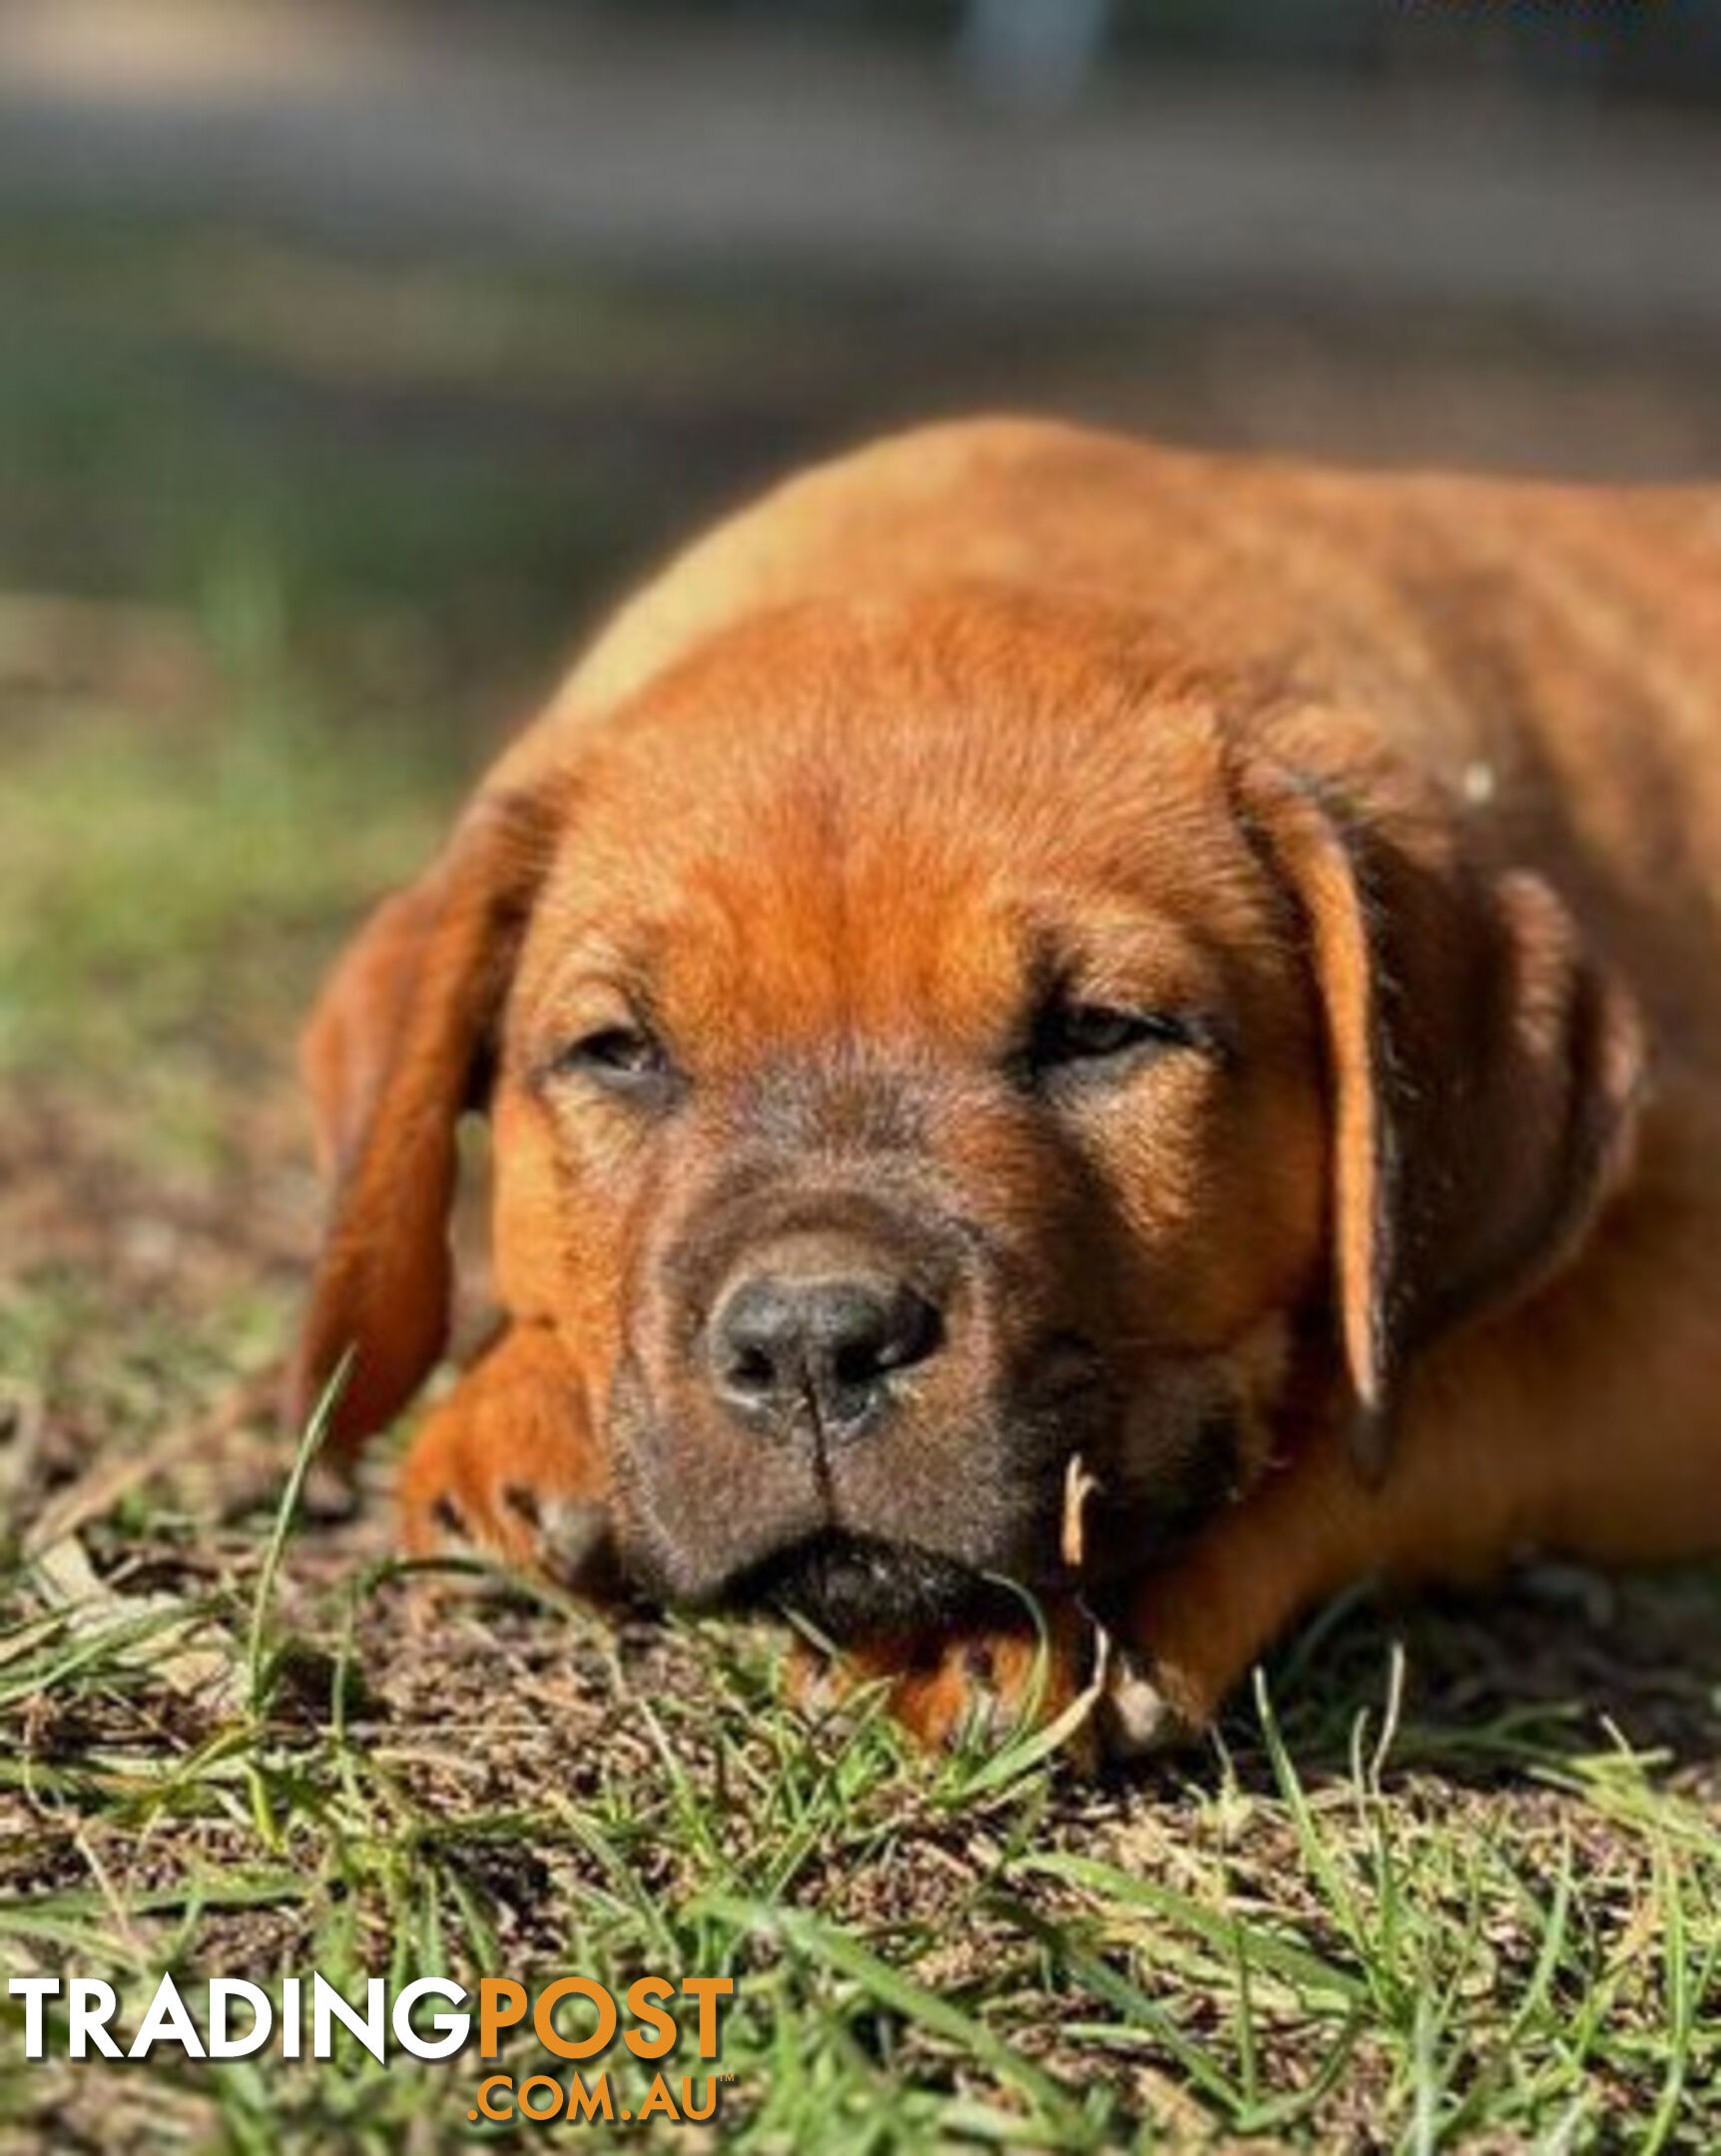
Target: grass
point(1448, 1878)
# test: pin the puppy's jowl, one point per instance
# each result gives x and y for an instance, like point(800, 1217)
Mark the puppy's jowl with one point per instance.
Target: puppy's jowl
point(1059, 1012)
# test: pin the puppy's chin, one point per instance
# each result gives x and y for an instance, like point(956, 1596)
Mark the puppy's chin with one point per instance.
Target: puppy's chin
point(853, 1588)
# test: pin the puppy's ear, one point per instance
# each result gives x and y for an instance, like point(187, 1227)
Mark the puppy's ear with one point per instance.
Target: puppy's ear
point(1484, 1066)
point(395, 1050)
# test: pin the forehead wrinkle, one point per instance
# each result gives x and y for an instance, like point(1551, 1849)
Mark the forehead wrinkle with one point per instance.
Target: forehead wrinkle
point(592, 959)
point(820, 949)
point(859, 866)
point(829, 911)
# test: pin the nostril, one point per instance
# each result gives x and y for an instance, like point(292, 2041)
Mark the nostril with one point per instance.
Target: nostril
point(918, 1332)
point(750, 1370)
point(858, 1362)
point(880, 1334)
point(757, 1341)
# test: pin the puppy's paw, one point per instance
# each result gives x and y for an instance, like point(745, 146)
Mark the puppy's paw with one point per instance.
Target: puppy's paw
point(505, 1469)
point(982, 1689)
point(953, 1689)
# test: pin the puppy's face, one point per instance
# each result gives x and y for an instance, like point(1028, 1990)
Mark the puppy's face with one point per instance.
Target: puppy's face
point(928, 1042)
point(908, 1082)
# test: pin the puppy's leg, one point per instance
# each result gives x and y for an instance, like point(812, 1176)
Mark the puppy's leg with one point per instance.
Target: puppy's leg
point(1472, 1489)
point(507, 1467)
point(1194, 1627)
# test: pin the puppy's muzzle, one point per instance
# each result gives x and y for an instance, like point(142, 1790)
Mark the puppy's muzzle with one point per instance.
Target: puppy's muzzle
point(816, 1336)
point(851, 1588)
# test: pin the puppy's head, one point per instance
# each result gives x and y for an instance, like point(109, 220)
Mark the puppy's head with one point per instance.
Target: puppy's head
point(928, 1041)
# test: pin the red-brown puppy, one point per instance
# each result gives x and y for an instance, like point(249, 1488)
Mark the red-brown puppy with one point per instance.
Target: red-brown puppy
point(1028, 949)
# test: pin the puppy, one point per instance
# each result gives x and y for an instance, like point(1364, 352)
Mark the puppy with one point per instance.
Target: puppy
point(1059, 1012)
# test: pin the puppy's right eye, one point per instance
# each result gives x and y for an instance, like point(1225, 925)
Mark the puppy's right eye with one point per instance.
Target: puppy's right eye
point(627, 1059)
point(1071, 1039)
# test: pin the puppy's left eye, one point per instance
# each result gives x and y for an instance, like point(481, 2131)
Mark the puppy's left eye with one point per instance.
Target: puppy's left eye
point(1068, 1035)
point(627, 1059)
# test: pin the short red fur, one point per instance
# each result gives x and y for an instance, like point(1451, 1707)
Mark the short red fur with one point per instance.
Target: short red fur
point(1383, 815)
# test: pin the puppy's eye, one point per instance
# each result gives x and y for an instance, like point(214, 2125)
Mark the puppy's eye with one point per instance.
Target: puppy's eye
point(624, 1058)
point(1068, 1035)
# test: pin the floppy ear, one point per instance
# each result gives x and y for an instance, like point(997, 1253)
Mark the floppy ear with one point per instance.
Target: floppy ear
point(1485, 1067)
point(395, 1052)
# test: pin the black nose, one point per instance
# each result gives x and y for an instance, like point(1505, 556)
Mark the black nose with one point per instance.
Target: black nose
point(786, 1347)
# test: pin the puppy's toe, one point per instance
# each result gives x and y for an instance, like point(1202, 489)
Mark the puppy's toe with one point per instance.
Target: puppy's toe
point(812, 1682)
point(953, 1691)
point(479, 1482)
point(982, 1692)
point(576, 1546)
point(1134, 1719)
